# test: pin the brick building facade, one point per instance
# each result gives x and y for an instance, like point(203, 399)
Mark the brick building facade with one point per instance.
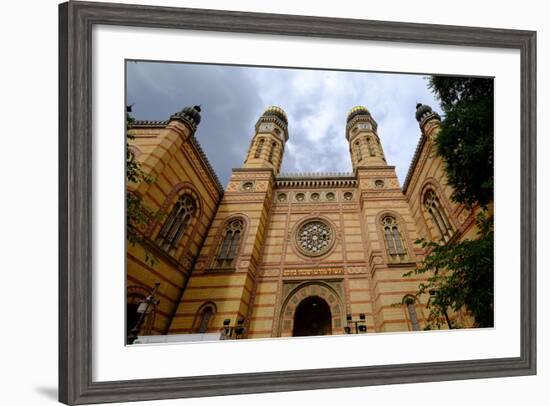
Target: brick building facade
point(286, 254)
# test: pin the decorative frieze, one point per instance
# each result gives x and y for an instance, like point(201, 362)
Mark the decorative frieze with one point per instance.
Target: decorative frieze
point(269, 272)
point(243, 197)
point(316, 180)
point(250, 174)
point(356, 270)
point(313, 272)
point(213, 187)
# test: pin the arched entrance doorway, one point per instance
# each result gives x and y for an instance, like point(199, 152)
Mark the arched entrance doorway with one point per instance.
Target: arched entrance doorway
point(312, 318)
point(326, 293)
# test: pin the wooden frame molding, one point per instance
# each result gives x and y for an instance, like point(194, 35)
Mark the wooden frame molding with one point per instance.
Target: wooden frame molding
point(76, 20)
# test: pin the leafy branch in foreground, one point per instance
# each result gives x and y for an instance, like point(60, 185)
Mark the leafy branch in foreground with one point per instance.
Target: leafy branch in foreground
point(461, 277)
point(466, 139)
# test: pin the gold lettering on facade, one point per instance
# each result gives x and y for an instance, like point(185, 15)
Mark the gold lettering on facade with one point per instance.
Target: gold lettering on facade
point(313, 272)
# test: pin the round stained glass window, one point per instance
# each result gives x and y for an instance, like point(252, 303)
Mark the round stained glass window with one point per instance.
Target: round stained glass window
point(314, 238)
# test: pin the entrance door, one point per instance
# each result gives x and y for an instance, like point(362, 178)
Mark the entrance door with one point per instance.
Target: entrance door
point(312, 318)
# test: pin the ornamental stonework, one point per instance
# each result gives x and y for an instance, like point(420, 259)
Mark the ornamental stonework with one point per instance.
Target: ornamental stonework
point(313, 272)
point(192, 156)
point(356, 270)
point(244, 198)
point(269, 272)
point(262, 186)
point(393, 183)
point(308, 208)
point(248, 186)
point(251, 175)
point(232, 186)
point(314, 238)
point(379, 183)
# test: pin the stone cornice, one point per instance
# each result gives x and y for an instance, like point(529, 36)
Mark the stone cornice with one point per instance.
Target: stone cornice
point(414, 161)
point(316, 180)
point(375, 167)
point(275, 120)
point(192, 139)
point(361, 118)
point(252, 170)
point(316, 175)
point(148, 124)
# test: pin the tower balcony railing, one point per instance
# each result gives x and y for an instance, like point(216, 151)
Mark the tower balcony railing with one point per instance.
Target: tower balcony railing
point(315, 175)
point(316, 179)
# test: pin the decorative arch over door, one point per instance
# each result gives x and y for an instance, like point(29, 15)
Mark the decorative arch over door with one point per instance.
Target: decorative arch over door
point(312, 318)
point(306, 291)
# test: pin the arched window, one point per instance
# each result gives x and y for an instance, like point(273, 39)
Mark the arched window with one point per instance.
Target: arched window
point(205, 317)
point(434, 208)
point(230, 243)
point(272, 151)
point(394, 243)
point(409, 303)
point(259, 148)
point(176, 223)
point(358, 151)
point(369, 146)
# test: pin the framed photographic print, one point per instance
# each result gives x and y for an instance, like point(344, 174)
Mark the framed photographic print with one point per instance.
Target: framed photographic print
point(260, 202)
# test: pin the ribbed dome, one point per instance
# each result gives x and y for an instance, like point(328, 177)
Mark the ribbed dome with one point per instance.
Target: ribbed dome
point(276, 111)
point(422, 109)
point(357, 111)
point(189, 114)
point(193, 113)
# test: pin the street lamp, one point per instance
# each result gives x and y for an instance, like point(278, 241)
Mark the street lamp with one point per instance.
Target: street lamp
point(145, 307)
point(228, 330)
point(240, 329)
point(360, 325)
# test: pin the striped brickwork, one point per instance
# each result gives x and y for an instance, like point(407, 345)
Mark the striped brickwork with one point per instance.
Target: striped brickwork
point(270, 273)
point(172, 158)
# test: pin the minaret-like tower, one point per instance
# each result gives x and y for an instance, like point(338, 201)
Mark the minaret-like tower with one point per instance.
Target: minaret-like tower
point(224, 278)
point(388, 228)
point(267, 146)
point(428, 120)
point(364, 144)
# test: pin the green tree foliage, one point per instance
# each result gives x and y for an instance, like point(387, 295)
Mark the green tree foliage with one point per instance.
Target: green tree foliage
point(465, 141)
point(460, 275)
point(138, 215)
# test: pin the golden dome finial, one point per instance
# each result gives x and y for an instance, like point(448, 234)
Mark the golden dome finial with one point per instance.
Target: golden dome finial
point(356, 111)
point(277, 111)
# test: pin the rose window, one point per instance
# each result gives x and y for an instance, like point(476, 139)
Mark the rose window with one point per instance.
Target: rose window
point(314, 238)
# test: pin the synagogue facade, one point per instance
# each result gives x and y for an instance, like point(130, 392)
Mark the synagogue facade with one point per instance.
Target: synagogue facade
point(279, 255)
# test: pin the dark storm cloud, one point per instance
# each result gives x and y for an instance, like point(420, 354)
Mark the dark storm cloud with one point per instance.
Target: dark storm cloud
point(228, 97)
point(316, 103)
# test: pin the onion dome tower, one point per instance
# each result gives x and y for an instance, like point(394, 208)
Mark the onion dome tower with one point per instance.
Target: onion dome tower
point(364, 144)
point(428, 120)
point(267, 146)
point(189, 115)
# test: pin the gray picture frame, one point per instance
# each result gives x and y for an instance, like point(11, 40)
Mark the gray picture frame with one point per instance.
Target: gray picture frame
point(76, 20)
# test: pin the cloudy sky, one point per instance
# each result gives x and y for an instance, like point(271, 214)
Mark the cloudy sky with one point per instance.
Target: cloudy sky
point(315, 101)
